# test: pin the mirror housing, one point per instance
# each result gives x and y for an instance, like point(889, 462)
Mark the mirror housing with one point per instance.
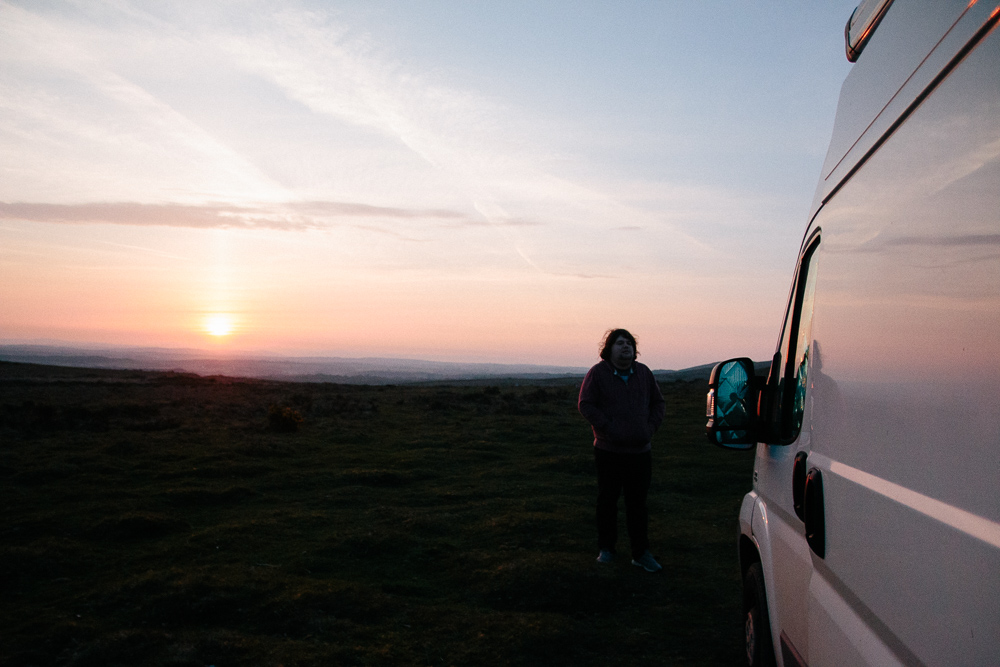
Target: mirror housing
point(732, 404)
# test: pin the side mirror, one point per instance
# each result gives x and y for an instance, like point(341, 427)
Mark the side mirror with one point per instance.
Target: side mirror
point(732, 405)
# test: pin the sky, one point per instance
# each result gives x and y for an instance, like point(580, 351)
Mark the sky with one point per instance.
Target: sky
point(442, 180)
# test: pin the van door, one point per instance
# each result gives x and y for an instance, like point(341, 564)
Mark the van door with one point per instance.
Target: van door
point(904, 414)
point(788, 566)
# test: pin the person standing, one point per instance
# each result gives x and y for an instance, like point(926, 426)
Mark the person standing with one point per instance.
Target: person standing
point(620, 399)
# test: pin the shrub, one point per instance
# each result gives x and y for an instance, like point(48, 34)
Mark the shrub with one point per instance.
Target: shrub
point(283, 419)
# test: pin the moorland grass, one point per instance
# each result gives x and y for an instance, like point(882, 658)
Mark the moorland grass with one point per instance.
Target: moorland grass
point(169, 519)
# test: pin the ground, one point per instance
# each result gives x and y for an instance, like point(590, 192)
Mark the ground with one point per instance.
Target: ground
point(169, 519)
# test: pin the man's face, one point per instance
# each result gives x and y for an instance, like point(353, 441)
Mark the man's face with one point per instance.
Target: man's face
point(622, 353)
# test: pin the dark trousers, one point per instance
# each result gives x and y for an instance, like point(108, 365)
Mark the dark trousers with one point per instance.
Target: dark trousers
point(630, 474)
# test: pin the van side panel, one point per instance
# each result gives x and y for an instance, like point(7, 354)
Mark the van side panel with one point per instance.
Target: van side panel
point(905, 411)
point(854, 642)
point(915, 41)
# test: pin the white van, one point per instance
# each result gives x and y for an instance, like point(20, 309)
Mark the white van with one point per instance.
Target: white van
point(872, 533)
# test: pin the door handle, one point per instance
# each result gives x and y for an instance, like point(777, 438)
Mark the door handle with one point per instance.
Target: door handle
point(815, 516)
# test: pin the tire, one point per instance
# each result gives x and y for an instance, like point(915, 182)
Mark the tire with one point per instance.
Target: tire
point(757, 624)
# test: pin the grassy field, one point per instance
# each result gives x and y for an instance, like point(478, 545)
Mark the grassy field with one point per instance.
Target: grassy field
point(167, 519)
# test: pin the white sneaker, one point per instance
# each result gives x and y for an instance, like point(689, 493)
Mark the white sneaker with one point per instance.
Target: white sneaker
point(647, 562)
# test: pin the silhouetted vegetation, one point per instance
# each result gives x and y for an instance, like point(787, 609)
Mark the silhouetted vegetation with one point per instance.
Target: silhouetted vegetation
point(284, 419)
point(168, 519)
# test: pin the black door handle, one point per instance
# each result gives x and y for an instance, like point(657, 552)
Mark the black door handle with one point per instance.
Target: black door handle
point(815, 517)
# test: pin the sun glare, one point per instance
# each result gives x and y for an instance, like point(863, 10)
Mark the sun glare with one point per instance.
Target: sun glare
point(219, 324)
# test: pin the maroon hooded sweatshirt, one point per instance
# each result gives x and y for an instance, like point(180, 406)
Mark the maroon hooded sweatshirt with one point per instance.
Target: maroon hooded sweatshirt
point(624, 413)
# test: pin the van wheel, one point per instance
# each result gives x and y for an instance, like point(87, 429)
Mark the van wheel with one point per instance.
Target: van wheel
point(760, 651)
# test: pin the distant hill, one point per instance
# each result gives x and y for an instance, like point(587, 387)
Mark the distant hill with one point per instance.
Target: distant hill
point(704, 371)
point(368, 370)
point(694, 373)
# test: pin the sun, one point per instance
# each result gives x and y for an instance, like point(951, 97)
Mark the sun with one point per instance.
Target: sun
point(219, 324)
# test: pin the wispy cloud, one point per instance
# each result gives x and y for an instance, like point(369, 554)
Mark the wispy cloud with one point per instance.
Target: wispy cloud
point(144, 249)
point(479, 148)
point(288, 216)
point(314, 61)
point(73, 124)
point(87, 119)
point(120, 110)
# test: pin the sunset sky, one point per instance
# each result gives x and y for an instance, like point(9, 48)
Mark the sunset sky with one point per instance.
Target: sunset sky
point(459, 181)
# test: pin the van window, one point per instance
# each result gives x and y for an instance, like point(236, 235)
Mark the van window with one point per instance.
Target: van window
point(803, 341)
point(796, 341)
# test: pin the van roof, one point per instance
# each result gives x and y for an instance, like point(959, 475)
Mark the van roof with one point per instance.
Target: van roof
point(917, 40)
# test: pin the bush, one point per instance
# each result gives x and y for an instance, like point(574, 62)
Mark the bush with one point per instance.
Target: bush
point(284, 419)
